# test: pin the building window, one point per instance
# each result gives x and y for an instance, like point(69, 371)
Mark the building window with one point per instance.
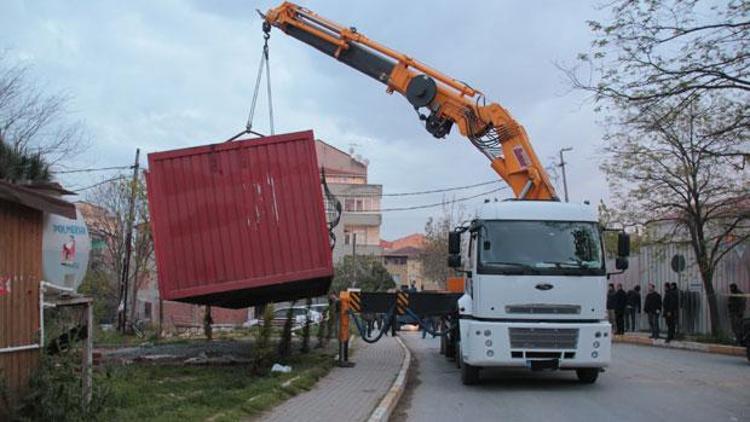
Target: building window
point(354, 234)
point(349, 204)
point(360, 205)
point(146, 310)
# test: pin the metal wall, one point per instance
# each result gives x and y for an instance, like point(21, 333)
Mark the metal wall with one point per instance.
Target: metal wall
point(652, 264)
point(20, 275)
point(229, 219)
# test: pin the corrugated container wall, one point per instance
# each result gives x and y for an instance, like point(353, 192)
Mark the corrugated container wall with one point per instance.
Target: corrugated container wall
point(241, 223)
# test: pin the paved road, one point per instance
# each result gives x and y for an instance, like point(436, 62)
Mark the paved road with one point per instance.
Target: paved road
point(642, 384)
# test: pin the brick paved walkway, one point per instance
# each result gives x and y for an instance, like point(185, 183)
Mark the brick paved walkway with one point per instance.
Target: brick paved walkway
point(346, 394)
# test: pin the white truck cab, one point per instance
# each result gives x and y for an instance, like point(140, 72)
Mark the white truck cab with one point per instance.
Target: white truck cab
point(535, 289)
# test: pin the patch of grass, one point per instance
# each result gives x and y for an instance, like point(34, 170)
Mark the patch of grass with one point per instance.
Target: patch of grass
point(225, 393)
point(722, 338)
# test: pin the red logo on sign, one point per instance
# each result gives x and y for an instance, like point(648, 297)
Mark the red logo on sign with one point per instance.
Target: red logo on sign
point(4, 286)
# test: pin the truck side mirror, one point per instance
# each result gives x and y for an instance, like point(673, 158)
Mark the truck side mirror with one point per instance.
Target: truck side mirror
point(621, 263)
point(454, 261)
point(623, 245)
point(454, 243)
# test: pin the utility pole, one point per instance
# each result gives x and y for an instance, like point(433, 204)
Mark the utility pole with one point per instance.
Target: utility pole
point(128, 244)
point(354, 259)
point(562, 165)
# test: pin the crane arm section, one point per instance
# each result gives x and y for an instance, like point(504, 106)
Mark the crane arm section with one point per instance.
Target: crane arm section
point(440, 100)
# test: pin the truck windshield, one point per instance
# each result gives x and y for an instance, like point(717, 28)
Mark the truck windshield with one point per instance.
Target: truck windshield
point(540, 247)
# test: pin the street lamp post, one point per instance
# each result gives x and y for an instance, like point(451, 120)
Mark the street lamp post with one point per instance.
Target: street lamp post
point(562, 166)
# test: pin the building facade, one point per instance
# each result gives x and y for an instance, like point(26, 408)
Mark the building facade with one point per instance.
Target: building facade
point(358, 230)
point(402, 259)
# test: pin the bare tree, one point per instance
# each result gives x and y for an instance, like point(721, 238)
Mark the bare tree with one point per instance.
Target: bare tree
point(434, 256)
point(664, 166)
point(32, 120)
point(112, 201)
point(663, 54)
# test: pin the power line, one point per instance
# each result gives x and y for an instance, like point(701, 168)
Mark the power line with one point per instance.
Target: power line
point(99, 184)
point(438, 204)
point(93, 169)
point(424, 192)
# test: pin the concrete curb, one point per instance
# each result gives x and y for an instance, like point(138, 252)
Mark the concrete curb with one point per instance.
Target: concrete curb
point(384, 409)
point(683, 345)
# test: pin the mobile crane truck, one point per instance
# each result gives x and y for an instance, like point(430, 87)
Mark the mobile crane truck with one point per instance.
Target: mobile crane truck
point(534, 267)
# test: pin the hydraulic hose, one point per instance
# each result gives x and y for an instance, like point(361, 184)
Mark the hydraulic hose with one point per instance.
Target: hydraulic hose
point(423, 326)
point(387, 326)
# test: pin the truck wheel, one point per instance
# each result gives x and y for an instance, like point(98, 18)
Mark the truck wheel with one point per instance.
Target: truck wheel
point(457, 354)
point(587, 375)
point(469, 374)
point(443, 346)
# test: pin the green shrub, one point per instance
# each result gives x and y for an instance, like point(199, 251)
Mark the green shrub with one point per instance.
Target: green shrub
point(55, 392)
point(306, 329)
point(331, 322)
point(285, 343)
point(263, 353)
point(321, 333)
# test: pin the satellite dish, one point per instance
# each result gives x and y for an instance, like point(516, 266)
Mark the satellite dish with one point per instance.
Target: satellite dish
point(65, 250)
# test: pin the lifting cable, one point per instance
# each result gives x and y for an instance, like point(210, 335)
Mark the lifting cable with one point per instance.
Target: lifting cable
point(264, 65)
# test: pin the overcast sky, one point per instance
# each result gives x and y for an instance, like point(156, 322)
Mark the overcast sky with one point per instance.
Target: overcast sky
point(166, 74)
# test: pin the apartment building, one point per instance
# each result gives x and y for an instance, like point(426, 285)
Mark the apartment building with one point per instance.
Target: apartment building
point(346, 174)
point(401, 258)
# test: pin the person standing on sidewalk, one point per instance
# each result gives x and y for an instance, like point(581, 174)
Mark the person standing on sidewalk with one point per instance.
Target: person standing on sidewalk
point(736, 307)
point(611, 304)
point(671, 309)
point(652, 308)
point(679, 295)
point(633, 309)
point(620, 302)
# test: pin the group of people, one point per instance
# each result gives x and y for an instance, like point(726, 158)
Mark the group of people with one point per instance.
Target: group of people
point(623, 309)
point(669, 308)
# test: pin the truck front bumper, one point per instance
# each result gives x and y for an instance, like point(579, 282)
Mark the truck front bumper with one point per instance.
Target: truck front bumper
point(519, 344)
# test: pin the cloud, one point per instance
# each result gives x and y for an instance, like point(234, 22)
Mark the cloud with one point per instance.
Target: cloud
point(160, 75)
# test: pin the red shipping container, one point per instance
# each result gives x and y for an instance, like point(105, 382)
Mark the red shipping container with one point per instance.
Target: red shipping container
point(240, 223)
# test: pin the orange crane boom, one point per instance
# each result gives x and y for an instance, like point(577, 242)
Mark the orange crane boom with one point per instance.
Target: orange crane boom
point(489, 127)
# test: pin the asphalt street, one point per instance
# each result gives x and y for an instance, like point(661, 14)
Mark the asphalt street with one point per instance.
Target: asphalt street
point(641, 384)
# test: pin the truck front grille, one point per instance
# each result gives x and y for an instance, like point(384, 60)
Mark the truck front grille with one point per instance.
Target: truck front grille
point(543, 308)
point(543, 338)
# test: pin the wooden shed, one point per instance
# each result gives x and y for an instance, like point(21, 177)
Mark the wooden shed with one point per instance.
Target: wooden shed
point(21, 217)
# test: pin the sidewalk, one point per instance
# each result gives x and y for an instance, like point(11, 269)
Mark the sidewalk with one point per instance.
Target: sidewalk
point(643, 339)
point(346, 394)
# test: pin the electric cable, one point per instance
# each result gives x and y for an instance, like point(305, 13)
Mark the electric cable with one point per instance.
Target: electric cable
point(88, 170)
point(99, 184)
point(415, 193)
point(437, 204)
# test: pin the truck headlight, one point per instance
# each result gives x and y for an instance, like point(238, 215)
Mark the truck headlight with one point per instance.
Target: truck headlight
point(487, 333)
point(594, 354)
point(596, 345)
point(490, 353)
point(488, 343)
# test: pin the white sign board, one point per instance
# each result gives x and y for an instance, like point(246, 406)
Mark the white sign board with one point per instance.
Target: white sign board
point(65, 250)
